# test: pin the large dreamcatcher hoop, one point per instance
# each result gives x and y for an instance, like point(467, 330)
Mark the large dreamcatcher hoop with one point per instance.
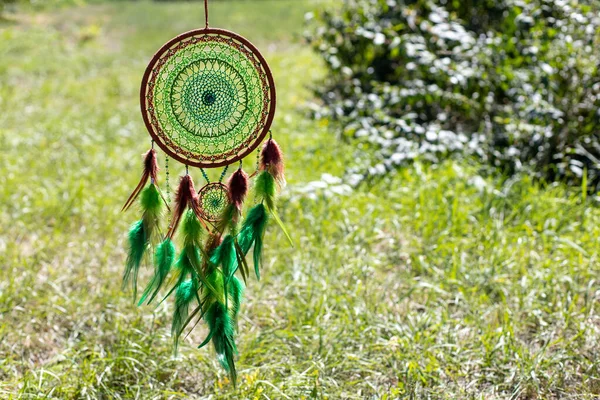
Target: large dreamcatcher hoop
point(208, 100)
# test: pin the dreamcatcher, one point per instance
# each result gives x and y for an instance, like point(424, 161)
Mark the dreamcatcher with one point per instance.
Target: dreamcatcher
point(208, 100)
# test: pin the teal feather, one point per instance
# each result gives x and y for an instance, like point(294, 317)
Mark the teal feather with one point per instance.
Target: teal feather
point(222, 333)
point(187, 291)
point(252, 233)
point(236, 292)
point(137, 247)
point(189, 261)
point(185, 267)
point(163, 260)
point(221, 307)
point(254, 225)
point(225, 256)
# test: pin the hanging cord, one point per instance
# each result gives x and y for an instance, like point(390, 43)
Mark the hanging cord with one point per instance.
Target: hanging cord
point(206, 13)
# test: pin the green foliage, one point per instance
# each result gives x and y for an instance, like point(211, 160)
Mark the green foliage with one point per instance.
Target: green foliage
point(514, 82)
point(3, 4)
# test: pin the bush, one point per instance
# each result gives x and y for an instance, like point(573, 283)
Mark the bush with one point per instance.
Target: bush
point(3, 4)
point(515, 83)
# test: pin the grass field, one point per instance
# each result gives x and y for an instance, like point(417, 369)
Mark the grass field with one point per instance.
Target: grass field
point(431, 283)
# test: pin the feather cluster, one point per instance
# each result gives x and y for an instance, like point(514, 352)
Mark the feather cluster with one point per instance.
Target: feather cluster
point(202, 275)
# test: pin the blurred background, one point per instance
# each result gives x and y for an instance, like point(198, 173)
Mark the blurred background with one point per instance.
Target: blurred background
point(443, 162)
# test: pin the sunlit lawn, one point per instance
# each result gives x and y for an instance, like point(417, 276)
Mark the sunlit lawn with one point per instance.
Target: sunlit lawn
point(431, 282)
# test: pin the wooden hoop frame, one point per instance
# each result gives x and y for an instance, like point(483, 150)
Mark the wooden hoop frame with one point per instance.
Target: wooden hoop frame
point(144, 93)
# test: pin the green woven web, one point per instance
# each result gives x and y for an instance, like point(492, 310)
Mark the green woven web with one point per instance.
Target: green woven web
point(213, 199)
point(208, 99)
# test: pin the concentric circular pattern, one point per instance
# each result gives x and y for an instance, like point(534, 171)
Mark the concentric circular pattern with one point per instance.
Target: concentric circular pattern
point(213, 199)
point(208, 98)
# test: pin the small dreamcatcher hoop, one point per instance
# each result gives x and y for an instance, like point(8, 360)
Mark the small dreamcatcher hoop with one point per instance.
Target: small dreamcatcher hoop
point(213, 199)
point(208, 100)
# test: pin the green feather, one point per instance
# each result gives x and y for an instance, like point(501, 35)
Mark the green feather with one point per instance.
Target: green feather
point(137, 247)
point(192, 229)
point(222, 333)
point(150, 200)
point(142, 234)
point(216, 281)
point(185, 267)
point(241, 260)
point(225, 256)
point(163, 260)
point(186, 293)
point(265, 189)
point(228, 219)
point(189, 261)
point(236, 292)
point(254, 225)
point(281, 226)
point(152, 207)
point(252, 233)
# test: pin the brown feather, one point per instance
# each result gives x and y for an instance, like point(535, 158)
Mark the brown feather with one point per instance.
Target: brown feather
point(150, 171)
point(185, 197)
point(271, 160)
point(238, 188)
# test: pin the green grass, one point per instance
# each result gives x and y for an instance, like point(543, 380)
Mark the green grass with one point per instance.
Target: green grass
point(433, 282)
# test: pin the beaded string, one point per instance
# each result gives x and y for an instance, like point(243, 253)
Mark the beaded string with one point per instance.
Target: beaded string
point(167, 179)
point(257, 159)
point(223, 173)
point(206, 178)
